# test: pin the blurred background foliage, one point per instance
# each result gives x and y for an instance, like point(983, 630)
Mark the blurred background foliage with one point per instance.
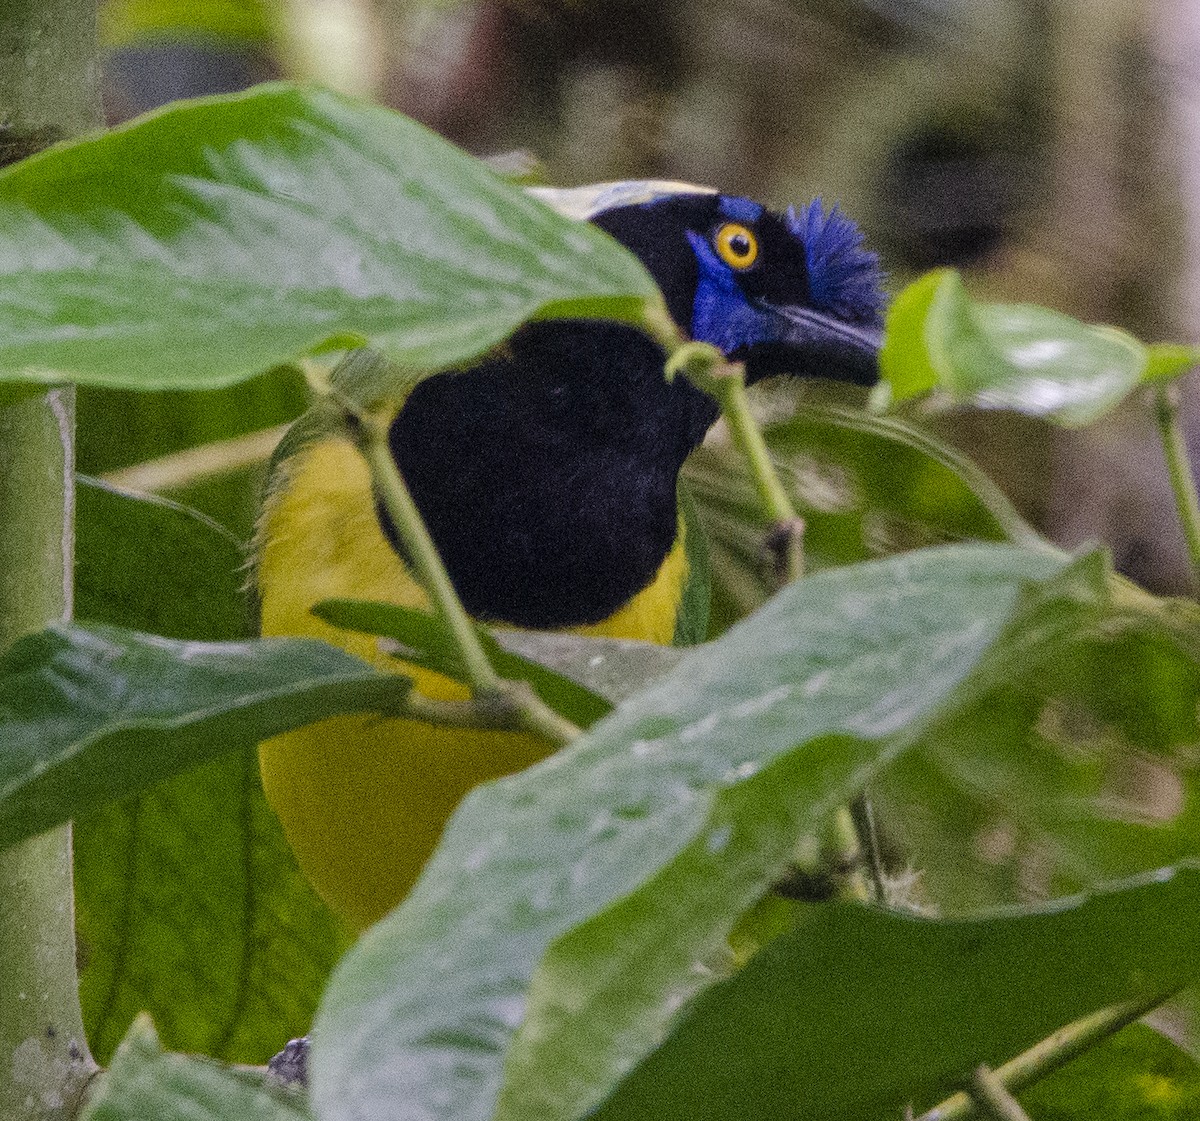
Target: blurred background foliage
point(1047, 147)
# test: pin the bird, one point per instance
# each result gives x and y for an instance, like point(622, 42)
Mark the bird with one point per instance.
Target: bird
point(547, 473)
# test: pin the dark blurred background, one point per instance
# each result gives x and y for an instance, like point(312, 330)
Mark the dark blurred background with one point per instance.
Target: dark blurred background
point(1049, 148)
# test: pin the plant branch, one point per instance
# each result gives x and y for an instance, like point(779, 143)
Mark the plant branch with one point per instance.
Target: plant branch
point(514, 709)
point(1053, 1052)
point(422, 553)
point(707, 369)
point(1179, 470)
point(496, 702)
point(48, 91)
point(993, 1098)
point(705, 366)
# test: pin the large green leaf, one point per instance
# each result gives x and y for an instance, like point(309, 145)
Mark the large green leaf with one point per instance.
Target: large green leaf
point(190, 906)
point(147, 1084)
point(553, 934)
point(94, 714)
point(859, 1011)
point(188, 901)
point(206, 242)
point(1013, 356)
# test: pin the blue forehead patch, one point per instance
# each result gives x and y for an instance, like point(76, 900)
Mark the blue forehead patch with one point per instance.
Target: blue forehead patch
point(739, 209)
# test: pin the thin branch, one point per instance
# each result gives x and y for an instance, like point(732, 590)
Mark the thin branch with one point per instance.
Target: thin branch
point(496, 702)
point(422, 553)
point(993, 1098)
point(1179, 470)
point(1053, 1052)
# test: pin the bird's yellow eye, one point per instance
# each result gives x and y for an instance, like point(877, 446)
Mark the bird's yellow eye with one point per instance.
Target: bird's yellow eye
point(736, 245)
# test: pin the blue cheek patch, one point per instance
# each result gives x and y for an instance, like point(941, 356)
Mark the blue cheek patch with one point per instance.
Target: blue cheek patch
point(721, 315)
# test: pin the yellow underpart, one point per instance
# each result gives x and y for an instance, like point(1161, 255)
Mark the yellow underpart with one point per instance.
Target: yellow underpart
point(363, 799)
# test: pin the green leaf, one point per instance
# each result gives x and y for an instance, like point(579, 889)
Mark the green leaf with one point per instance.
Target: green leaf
point(147, 1084)
point(150, 564)
point(89, 715)
point(191, 907)
point(552, 936)
point(866, 486)
point(858, 1011)
point(199, 860)
point(1005, 356)
point(612, 668)
point(691, 625)
point(1170, 360)
point(425, 641)
point(1136, 1075)
point(209, 241)
point(1072, 771)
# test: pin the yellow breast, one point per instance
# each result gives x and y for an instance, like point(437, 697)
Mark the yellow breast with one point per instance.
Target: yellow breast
point(363, 799)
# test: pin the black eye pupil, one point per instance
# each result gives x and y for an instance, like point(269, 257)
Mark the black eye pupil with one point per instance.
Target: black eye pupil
point(740, 244)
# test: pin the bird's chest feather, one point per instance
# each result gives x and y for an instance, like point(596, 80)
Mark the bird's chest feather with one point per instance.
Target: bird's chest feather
point(321, 540)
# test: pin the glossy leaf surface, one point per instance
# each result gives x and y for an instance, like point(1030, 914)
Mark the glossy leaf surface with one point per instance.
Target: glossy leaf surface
point(1008, 356)
point(90, 715)
point(209, 241)
point(551, 938)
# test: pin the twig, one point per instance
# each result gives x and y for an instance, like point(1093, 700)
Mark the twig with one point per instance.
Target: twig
point(1053, 1052)
point(1179, 470)
point(992, 1098)
point(495, 702)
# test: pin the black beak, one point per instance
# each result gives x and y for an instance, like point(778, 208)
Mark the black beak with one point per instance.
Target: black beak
point(815, 344)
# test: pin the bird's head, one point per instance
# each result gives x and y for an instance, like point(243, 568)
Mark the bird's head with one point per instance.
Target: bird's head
point(791, 292)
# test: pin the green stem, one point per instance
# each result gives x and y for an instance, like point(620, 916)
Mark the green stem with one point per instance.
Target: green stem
point(993, 1098)
point(44, 1060)
point(708, 370)
point(1179, 469)
point(1053, 1052)
point(48, 91)
point(499, 703)
point(423, 554)
point(509, 711)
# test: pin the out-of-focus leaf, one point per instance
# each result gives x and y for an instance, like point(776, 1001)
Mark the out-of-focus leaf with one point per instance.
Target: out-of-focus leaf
point(190, 906)
point(691, 625)
point(188, 902)
point(552, 936)
point(147, 1084)
point(1170, 360)
point(153, 565)
point(1136, 1075)
point(122, 21)
point(865, 486)
point(1079, 769)
point(859, 1012)
point(209, 241)
point(1006, 356)
point(90, 715)
point(119, 428)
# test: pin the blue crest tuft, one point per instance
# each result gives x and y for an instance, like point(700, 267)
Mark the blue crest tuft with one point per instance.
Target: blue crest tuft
point(844, 278)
